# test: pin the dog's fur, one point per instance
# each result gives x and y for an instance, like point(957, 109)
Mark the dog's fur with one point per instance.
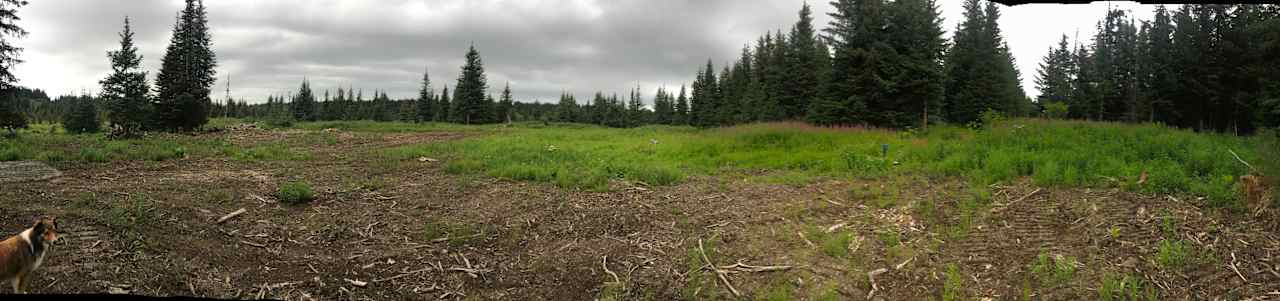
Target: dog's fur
point(22, 254)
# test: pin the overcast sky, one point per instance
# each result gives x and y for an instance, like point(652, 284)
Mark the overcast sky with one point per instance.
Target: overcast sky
point(540, 47)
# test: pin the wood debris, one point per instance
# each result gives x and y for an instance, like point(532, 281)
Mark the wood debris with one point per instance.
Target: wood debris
point(718, 271)
point(231, 215)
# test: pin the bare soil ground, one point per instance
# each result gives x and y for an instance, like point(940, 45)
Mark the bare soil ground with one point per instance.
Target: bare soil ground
point(409, 231)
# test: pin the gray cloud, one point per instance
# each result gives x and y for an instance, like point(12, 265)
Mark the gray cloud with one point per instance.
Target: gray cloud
point(540, 47)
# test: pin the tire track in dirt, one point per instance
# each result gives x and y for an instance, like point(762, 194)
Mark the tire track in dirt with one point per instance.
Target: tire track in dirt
point(1012, 234)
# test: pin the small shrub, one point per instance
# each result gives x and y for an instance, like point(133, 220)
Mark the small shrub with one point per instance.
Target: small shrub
point(92, 155)
point(1125, 288)
point(130, 214)
point(295, 192)
point(1053, 270)
point(865, 165)
point(269, 152)
point(1055, 109)
point(83, 117)
point(1172, 254)
point(837, 244)
point(952, 283)
point(373, 184)
point(456, 234)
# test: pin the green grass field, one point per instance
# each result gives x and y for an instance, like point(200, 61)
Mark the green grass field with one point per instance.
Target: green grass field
point(1051, 153)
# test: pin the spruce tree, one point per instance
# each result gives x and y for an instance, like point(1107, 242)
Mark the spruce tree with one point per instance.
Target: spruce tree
point(635, 109)
point(505, 105)
point(566, 110)
point(470, 104)
point(12, 116)
point(915, 34)
point(83, 117)
point(446, 106)
point(1083, 100)
point(803, 67)
point(186, 72)
point(775, 78)
point(662, 107)
point(681, 114)
point(862, 67)
point(303, 106)
point(981, 73)
point(1053, 78)
point(727, 107)
point(1160, 78)
point(1007, 94)
point(1266, 31)
point(336, 110)
point(125, 90)
point(1191, 43)
point(426, 102)
point(703, 104)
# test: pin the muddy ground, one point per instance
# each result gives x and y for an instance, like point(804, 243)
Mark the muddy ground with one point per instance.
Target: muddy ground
point(410, 231)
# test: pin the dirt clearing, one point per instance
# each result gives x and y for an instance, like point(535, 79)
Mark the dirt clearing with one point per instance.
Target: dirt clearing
point(408, 230)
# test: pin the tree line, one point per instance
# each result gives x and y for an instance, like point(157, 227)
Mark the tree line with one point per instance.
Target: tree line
point(878, 62)
point(881, 63)
point(179, 101)
point(1203, 66)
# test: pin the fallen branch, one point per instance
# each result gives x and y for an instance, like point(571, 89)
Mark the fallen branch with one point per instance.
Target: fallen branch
point(474, 273)
point(835, 227)
point(872, 276)
point(260, 199)
point(806, 240)
point(1024, 197)
point(402, 275)
point(717, 270)
point(444, 239)
point(224, 218)
point(604, 263)
point(1241, 160)
point(253, 244)
point(833, 202)
point(904, 263)
point(1233, 267)
point(742, 267)
point(356, 283)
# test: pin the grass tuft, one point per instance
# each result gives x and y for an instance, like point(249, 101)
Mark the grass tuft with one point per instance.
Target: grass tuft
point(295, 192)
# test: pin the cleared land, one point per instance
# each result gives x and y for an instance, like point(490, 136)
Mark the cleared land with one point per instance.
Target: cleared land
point(1024, 209)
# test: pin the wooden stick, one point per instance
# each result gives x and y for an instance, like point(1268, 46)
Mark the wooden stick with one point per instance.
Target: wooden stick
point(604, 263)
point(1233, 267)
point(474, 273)
point(806, 240)
point(253, 244)
point(403, 274)
point(751, 268)
point(835, 227)
point(224, 218)
point(717, 270)
point(872, 276)
point(357, 283)
point(1241, 160)
point(1024, 197)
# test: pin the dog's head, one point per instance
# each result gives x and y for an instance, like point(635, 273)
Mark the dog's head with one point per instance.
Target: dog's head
point(47, 228)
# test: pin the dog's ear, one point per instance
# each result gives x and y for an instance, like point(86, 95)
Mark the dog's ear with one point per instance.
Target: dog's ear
point(38, 229)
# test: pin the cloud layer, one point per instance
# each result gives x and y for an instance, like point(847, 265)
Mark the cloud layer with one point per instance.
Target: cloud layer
point(540, 47)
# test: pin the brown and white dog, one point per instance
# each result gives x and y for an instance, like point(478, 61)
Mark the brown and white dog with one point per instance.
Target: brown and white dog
point(22, 254)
